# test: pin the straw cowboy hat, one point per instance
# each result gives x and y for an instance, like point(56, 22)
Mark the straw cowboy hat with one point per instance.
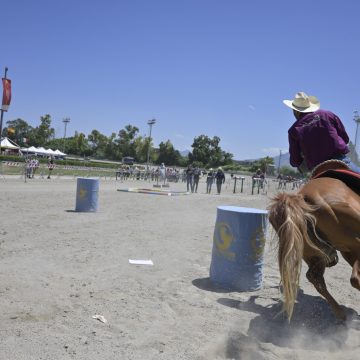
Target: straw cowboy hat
point(303, 103)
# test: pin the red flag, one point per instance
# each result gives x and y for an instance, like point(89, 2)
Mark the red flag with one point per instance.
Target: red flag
point(6, 94)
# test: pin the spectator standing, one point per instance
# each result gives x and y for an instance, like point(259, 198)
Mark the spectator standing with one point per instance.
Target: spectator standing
point(220, 179)
point(190, 178)
point(28, 168)
point(162, 172)
point(153, 177)
point(50, 165)
point(258, 178)
point(183, 175)
point(209, 180)
point(258, 174)
point(197, 173)
point(35, 166)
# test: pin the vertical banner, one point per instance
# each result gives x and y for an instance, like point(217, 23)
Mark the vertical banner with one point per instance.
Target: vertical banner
point(6, 94)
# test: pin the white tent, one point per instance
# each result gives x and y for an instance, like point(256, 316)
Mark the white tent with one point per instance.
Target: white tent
point(31, 149)
point(59, 153)
point(8, 144)
point(41, 150)
point(50, 152)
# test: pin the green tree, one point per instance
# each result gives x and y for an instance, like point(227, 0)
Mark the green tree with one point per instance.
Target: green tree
point(112, 150)
point(141, 145)
point(208, 152)
point(21, 131)
point(57, 144)
point(76, 145)
point(126, 141)
point(227, 158)
point(265, 162)
point(262, 164)
point(81, 143)
point(98, 143)
point(290, 171)
point(168, 155)
point(43, 133)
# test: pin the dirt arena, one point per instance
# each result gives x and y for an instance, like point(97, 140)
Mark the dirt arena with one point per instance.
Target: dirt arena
point(59, 268)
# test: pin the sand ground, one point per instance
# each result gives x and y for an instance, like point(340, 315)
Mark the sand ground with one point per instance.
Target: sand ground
point(58, 268)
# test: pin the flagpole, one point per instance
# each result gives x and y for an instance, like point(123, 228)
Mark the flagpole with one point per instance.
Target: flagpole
point(2, 113)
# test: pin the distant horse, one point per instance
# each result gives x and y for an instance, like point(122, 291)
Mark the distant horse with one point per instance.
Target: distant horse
point(312, 224)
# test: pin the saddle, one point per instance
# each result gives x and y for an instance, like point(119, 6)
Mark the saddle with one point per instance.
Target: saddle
point(337, 169)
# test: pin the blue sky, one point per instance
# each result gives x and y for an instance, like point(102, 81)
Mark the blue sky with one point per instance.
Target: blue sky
point(198, 67)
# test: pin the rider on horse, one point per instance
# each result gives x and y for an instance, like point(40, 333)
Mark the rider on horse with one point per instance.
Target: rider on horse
point(323, 216)
point(316, 136)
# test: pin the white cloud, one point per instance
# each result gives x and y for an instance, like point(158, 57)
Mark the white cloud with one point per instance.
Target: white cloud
point(252, 107)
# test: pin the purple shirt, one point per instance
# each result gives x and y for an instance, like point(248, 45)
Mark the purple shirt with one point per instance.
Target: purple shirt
point(317, 137)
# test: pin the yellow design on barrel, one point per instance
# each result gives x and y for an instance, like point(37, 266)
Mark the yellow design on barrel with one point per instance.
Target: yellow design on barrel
point(82, 193)
point(223, 238)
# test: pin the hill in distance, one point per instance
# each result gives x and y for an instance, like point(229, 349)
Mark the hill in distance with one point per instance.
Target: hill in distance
point(284, 160)
point(184, 153)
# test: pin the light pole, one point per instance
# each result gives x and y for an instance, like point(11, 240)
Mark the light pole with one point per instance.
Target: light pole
point(357, 120)
point(65, 121)
point(2, 113)
point(279, 163)
point(150, 123)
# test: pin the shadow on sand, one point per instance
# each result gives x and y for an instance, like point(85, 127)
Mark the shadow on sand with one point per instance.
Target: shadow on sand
point(313, 326)
point(208, 285)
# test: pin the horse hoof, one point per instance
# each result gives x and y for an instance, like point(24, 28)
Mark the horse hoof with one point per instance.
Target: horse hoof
point(341, 316)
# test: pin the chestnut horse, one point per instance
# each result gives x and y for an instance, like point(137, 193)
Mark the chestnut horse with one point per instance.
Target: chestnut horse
point(312, 224)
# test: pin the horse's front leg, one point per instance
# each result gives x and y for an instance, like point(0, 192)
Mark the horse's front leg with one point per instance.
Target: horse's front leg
point(315, 275)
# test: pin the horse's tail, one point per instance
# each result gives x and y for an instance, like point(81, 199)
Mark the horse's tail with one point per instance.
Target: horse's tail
point(290, 216)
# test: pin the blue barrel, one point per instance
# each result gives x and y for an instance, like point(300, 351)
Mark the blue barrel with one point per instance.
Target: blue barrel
point(238, 248)
point(87, 195)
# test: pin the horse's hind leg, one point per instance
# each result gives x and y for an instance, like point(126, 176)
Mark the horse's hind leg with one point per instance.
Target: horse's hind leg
point(315, 275)
point(355, 275)
point(355, 264)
